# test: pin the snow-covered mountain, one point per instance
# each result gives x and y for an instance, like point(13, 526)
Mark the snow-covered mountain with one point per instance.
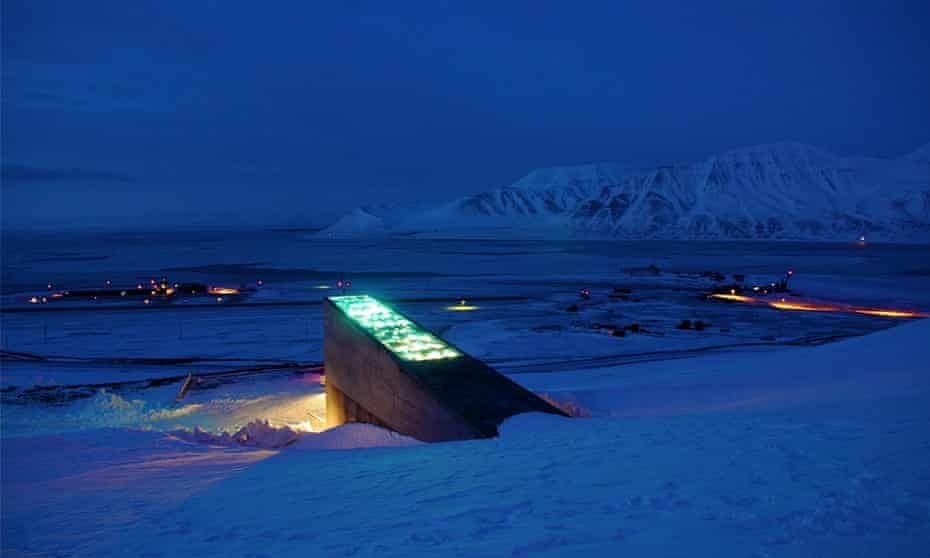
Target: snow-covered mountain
point(357, 222)
point(777, 191)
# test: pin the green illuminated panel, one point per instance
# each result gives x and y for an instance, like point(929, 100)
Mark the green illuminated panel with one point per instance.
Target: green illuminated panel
point(403, 337)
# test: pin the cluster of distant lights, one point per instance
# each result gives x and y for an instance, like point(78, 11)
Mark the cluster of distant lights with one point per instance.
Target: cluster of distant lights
point(156, 289)
point(162, 289)
point(400, 335)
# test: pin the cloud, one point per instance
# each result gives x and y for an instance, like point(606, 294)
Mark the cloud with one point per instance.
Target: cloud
point(25, 173)
point(86, 87)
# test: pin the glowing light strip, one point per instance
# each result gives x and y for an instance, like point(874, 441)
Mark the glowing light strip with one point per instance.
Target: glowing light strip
point(892, 313)
point(222, 290)
point(400, 335)
point(807, 306)
point(733, 297)
point(804, 306)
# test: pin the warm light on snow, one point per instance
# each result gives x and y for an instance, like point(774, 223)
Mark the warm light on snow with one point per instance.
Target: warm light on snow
point(733, 297)
point(810, 306)
point(892, 313)
point(304, 426)
point(805, 306)
point(403, 337)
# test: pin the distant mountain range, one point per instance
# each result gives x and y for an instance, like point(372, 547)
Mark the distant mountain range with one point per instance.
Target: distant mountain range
point(776, 191)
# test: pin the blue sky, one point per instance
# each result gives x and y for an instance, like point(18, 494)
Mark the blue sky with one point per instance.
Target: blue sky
point(131, 113)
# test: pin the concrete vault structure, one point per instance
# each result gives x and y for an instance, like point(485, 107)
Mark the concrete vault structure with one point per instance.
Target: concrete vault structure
point(383, 368)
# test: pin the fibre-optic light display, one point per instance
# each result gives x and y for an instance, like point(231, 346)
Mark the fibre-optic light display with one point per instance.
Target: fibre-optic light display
point(401, 336)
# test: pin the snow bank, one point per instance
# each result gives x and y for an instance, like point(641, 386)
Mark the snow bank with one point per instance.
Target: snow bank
point(261, 434)
point(256, 434)
point(354, 436)
point(858, 369)
point(529, 424)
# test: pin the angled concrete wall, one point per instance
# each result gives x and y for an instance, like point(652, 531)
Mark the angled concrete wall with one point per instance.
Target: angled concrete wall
point(433, 400)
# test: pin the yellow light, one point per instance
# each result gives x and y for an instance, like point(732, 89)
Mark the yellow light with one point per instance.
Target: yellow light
point(303, 426)
point(34, 300)
point(322, 287)
point(733, 297)
point(462, 308)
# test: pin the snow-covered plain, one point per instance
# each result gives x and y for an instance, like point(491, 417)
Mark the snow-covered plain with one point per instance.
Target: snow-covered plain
point(756, 441)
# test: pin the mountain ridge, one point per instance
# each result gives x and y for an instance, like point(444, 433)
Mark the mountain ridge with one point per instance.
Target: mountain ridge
point(783, 190)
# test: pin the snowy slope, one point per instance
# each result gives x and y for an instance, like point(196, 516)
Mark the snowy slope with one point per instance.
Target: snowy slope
point(771, 191)
point(919, 155)
point(360, 222)
point(777, 191)
point(807, 452)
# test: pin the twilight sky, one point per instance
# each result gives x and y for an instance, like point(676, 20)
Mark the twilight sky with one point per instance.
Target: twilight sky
point(289, 113)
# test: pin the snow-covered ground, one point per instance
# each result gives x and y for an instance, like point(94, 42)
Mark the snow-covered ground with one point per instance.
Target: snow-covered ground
point(810, 451)
point(754, 441)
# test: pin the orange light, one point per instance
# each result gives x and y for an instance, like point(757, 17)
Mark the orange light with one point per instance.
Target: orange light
point(807, 307)
point(222, 291)
point(733, 297)
point(891, 313)
point(34, 300)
